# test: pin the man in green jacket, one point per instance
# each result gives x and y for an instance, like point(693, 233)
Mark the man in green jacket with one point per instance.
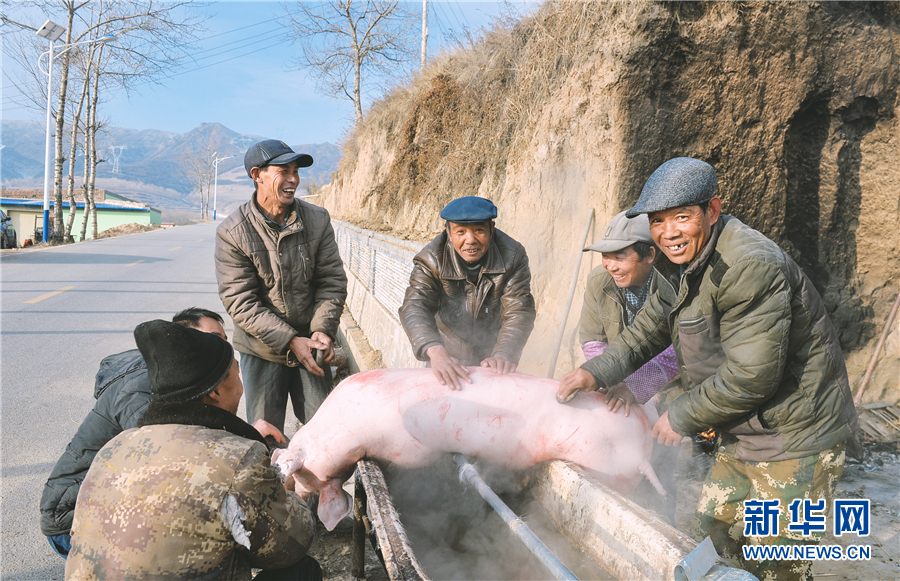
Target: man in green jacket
point(759, 361)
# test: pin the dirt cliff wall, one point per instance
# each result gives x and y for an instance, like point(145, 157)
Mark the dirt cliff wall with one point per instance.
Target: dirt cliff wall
point(795, 104)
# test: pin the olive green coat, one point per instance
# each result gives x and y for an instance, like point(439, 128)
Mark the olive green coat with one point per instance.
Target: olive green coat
point(603, 311)
point(758, 355)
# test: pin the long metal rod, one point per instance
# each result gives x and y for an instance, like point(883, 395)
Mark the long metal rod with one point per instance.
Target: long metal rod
point(467, 473)
point(562, 326)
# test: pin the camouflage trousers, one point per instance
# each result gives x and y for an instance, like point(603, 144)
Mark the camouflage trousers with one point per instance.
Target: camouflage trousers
point(720, 511)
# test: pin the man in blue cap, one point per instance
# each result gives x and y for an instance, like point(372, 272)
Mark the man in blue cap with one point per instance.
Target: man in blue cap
point(282, 281)
point(759, 362)
point(469, 299)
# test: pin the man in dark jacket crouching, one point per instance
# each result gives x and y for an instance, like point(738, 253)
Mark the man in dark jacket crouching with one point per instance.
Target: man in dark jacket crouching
point(759, 361)
point(190, 493)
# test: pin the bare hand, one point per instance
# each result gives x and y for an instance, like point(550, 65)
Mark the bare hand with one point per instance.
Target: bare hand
point(302, 348)
point(664, 433)
point(447, 369)
point(266, 429)
point(619, 395)
point(574, 381)
point(499, 364)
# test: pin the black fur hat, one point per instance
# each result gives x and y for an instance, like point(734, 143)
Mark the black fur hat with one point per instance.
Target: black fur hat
point(183, 364)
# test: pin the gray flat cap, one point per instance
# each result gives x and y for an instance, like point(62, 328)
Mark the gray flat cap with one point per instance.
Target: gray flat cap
point(622, 232)
point(682, 181)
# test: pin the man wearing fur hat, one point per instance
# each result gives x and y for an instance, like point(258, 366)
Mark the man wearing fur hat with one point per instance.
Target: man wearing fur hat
point(469, 298)
point(759, 361)
point(190, 493)
point(282, 281)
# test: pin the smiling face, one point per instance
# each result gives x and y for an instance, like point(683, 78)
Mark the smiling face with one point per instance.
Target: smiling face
point(276, 185)
point(627, 268)
point(471, 240)
point(681, 233)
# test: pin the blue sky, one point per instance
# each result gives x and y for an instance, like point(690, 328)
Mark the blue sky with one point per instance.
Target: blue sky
point(238, 75)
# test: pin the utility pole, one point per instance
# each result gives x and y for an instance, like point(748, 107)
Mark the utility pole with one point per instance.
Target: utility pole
point(117, 153)
point(424, 32)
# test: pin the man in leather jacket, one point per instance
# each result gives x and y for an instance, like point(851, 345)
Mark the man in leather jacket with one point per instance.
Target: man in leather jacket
point(469, 299)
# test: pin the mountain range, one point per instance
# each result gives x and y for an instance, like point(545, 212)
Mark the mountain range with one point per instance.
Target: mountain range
point(151, 163)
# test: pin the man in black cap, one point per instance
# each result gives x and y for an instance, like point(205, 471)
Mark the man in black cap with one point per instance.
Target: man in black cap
point(190, 493)
point(760, 363)
point(282, 281)
point(469, 297)
point(122, 391)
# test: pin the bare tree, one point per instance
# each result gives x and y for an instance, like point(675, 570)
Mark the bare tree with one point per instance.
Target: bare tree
point(343, 40)
point(198, 168)
point(151, 40)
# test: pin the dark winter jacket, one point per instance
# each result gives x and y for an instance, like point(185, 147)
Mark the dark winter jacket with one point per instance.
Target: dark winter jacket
point(122, 391)
point(472, 321)
point(189, 494)
point(758, 355)
point(277, 285)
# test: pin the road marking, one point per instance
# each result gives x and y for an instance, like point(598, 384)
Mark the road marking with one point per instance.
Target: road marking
point(201, 240)
point(138, 262)
point(176, 248)
point(48, 295)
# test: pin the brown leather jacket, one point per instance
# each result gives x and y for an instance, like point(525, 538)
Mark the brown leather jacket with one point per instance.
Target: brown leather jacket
point(278, 285)
point(471, 321)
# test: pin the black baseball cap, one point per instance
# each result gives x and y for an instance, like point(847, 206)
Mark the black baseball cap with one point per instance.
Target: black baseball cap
point(273, 152)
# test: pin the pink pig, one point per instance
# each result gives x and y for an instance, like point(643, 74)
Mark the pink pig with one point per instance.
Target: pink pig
point(404, 416)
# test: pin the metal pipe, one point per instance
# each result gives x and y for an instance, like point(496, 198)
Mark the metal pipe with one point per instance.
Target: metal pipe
point(562, 326)
point(467, 473)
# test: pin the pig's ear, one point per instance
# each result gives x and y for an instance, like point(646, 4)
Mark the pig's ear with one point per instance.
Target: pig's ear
point(334, 504)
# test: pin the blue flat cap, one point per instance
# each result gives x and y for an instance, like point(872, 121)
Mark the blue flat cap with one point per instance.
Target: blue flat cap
point(682, 181)
point(469, 209)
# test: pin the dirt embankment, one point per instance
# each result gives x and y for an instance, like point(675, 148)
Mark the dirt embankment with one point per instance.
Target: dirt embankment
point(795, 104)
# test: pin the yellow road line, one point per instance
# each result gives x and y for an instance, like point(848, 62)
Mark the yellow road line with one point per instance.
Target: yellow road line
point(48, 295)
point(201, 240)
point(138, 262)
point(176, 248)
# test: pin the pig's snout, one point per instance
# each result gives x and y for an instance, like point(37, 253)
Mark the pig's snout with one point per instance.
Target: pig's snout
point(285, 464)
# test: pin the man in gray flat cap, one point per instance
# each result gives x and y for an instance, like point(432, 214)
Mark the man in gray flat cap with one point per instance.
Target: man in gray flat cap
point(760, 363)
point(469, 299)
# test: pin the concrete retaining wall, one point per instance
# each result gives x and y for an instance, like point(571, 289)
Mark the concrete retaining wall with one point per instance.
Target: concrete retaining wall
point(378, 268)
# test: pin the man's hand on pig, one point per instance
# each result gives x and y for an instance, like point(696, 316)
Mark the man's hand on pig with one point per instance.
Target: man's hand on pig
point(574, 381)
point(266, 429)
point(619, 396)
point(664, 433)
point(446, 369)
point(499, 364)
point(303, 350)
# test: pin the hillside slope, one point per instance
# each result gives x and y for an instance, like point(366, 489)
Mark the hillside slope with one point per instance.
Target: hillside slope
point(795, 104)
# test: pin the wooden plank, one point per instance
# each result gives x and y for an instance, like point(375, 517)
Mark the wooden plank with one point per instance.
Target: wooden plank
point(392, 543)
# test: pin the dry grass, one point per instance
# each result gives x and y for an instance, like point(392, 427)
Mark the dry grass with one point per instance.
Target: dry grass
point(453, 127)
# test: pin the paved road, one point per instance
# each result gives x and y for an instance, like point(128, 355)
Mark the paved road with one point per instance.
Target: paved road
point(63, 310)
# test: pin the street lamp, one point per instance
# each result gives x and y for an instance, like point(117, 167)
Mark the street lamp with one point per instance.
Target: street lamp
point(52, 31)
point(216, 186)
